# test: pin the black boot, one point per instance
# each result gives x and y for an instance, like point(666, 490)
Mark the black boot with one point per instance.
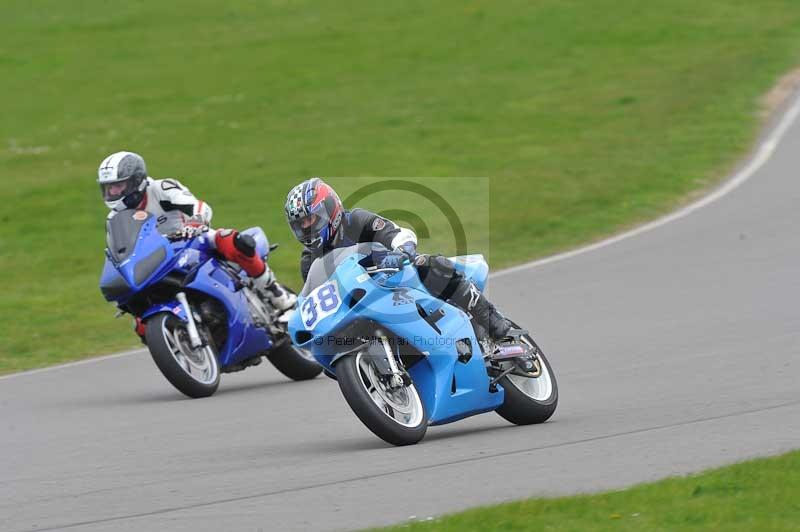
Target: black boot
point(487, 316)
point(470, 298)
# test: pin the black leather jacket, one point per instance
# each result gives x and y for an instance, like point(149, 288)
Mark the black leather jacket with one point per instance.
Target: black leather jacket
point(360, 225)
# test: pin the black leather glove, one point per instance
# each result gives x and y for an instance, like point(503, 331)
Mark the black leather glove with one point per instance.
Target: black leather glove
point(189, 231)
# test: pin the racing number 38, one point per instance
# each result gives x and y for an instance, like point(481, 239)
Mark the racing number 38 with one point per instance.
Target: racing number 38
point(320, 303)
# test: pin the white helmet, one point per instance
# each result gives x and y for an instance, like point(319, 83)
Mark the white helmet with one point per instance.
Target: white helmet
point(123, 178)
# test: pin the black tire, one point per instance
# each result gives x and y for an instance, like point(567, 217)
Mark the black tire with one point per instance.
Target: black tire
point(162, 355)
point(521, 409)
point(290, 361)
point(389, 430)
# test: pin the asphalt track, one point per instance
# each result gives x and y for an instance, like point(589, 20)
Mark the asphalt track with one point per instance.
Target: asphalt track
point(677, 348)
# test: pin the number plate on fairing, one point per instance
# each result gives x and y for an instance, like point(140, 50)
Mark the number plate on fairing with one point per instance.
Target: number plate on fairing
point(320, 303)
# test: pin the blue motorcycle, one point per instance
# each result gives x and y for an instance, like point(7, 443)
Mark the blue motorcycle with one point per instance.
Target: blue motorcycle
point(200, 315)
point(405, 359)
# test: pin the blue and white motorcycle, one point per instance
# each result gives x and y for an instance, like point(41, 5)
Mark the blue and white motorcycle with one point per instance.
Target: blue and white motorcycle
point(200, 314)
point(405, 359)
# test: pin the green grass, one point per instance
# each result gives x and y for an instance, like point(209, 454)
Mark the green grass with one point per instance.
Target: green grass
point(587, 117)
point(756, 495)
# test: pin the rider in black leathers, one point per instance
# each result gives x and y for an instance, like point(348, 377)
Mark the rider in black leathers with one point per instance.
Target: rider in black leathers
point(319, 221)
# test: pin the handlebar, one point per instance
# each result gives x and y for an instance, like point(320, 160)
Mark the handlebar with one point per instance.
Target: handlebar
point(375, 269)
point(175, 237)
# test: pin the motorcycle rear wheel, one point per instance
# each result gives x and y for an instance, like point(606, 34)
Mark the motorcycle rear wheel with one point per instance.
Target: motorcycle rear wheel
point(396, 416)
point(194, 372)
point(295, 363)
point(530, 400)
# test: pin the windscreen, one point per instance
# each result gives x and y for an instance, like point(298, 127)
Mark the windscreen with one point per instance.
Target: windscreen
point(322, 268)
point(122, 231)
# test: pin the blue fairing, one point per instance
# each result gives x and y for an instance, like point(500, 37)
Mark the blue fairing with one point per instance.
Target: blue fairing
point(392, 302)
point(194, 260)
point(474, 268)
point(244, 339)
point(171, 307)
point(149, 244)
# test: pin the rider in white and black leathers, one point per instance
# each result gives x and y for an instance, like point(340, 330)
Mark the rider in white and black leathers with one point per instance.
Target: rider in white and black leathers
point(319, 221)
point(125, 184)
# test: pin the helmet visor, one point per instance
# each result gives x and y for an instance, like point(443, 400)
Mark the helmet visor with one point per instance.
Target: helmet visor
point(308, 228)
point(116, 190)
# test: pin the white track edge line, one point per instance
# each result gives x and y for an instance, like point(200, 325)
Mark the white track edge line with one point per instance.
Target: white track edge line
point(71, 364)
point(761, 156)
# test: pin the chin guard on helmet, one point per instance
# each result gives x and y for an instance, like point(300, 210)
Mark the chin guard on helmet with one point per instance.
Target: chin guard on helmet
point(314, 212)
point(122, 177)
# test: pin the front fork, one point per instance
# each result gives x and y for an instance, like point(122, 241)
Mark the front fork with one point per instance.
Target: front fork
point(396, 378)
point(191, 326)
point(382, 356)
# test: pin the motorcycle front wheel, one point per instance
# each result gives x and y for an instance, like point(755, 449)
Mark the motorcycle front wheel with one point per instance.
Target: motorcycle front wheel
point(194, 372)
point(396, 415)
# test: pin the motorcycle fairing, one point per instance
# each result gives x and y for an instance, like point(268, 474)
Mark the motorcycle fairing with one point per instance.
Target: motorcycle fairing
point(171, 307)
point(138, 261)
point(119, 280)
point(474, 268)
point(244, 340)
point(449, 389)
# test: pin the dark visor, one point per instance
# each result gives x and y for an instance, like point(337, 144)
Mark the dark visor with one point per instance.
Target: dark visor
point(308, 228)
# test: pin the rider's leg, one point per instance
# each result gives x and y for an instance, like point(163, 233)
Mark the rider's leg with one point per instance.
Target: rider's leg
point(442, 280)
point(267, 285)
point(241, 248)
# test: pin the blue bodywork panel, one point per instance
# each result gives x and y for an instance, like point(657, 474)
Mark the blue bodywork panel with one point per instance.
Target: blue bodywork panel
point(154, 257)
point(450, 389)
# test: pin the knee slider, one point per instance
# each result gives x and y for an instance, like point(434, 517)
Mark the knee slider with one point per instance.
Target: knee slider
point(245, 244)
point(241, 249)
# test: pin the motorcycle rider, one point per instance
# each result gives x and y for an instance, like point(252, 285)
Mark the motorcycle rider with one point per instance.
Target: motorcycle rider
point(319, 222)
point(124, 184)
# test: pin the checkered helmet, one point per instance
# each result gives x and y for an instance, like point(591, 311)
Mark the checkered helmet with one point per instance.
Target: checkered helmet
point(314, 212)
